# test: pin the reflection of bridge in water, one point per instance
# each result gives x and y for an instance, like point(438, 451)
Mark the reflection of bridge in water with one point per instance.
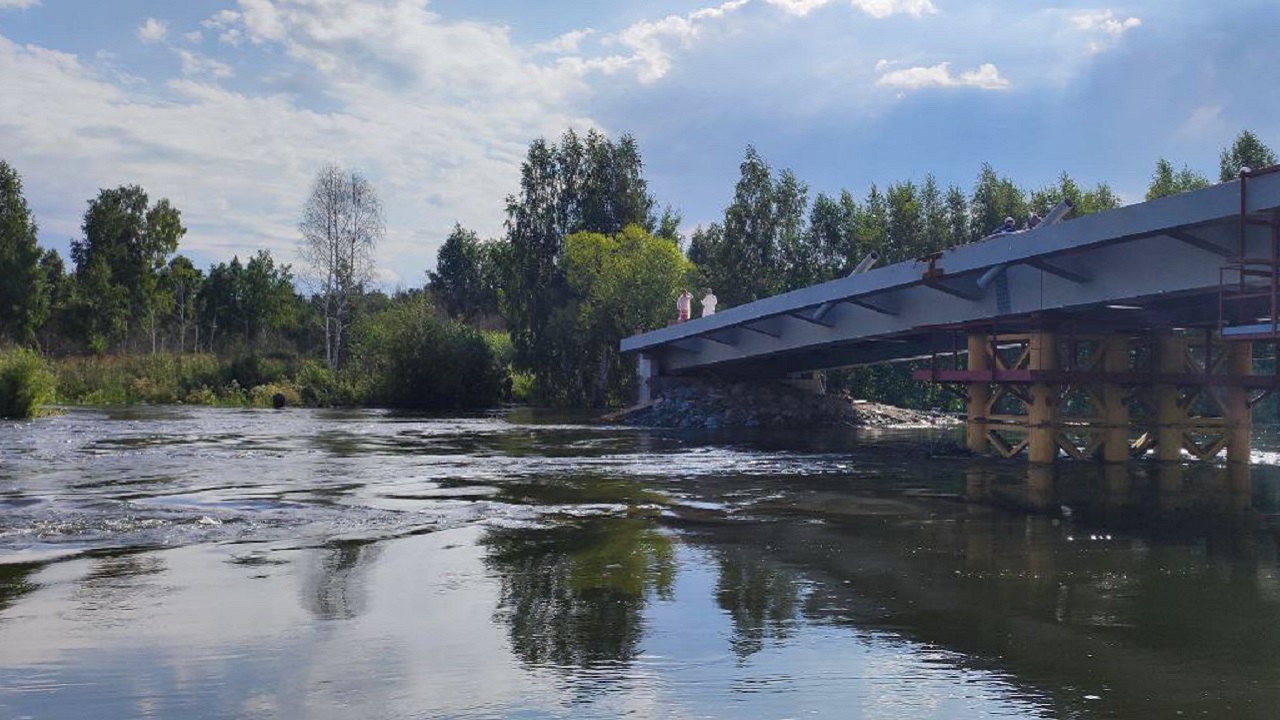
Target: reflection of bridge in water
point(1113, 335)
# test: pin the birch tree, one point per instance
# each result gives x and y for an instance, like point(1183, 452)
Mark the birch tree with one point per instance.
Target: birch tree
point(341, 225)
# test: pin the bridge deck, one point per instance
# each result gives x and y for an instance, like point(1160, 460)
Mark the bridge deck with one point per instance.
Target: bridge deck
point(1159, 263)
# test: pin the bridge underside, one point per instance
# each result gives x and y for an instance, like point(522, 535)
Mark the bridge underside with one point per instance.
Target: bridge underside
point(1205, 259)
point(1136, 294)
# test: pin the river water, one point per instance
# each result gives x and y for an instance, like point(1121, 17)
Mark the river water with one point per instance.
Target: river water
point(216, 563)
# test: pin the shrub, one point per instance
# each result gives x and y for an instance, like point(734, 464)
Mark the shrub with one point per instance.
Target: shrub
point(25, 384)
point(408, 356)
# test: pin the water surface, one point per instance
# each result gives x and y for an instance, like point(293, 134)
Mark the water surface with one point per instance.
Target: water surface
point(213, 563)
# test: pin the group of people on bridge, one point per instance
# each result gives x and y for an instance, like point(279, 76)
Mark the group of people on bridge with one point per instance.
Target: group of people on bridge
point(684, 304)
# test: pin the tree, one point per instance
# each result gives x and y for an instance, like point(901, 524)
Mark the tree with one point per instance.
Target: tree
point(268, 296)
point(341, 225)
point(959, 229)
point(23, 306)
point(221, 298)
point(246, 300)
point(1247, 151)
point(595, 186)
point(751, 235)
point(182, 281)
point(906, 223)
point(833, 234)
point(1083, 202)
point(1166, 182)
point(620, 284)
point(994, 198)
point(797, 256)
point(57, 289)
point(126, 244)
point(458, 282)
point(933, 213)
point(707, 252)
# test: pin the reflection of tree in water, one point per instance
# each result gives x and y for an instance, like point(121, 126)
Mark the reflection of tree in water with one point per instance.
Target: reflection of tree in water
point(336, 587)
point(761, 600)
point(574, 596)
point(15, 581)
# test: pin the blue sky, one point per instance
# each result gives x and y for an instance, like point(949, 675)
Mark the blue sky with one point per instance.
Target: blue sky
point(229, 107)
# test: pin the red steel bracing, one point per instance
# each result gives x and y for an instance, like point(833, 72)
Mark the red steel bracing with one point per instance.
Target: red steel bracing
point(1234, 285)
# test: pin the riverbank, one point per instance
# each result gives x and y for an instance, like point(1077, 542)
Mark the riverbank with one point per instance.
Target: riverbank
point(773, 404)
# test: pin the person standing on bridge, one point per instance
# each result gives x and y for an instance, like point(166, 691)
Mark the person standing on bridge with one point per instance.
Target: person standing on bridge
point(684, 305)
point(709, 303)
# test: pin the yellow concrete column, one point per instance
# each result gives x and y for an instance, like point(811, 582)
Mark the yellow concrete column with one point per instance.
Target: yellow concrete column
point(1239, 418)
point(1170, 354)
point(1115, 438)
point(1042, 446)
point(979, 395)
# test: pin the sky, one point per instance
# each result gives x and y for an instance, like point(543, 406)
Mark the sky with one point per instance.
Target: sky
point(229, 108)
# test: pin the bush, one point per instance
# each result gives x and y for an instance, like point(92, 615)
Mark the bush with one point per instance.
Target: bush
point(25, 384)
point(410, 357)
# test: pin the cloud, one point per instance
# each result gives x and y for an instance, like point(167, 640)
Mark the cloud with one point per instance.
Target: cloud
point(437, 114)
point(566, 43)
point(1105, 28)
point(193, 64)
point(652, 43)
point(153, 31)
point(885, 8)
point(799, 8)
point(18, 4)
point(986, 77)
point(1104, 21)
point(222, 22)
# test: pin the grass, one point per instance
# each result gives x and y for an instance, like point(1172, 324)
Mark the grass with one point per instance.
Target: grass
point(25, 383)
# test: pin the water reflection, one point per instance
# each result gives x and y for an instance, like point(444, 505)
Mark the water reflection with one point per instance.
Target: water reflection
point(760, 598)
point(1165, 500)
point(370, 565)
point(336, 583)
point(15, 581)
point(574, 596)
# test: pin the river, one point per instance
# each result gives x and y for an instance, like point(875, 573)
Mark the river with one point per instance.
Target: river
point(224, 563)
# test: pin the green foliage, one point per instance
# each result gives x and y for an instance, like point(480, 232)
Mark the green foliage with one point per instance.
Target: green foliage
point(994, 198)
point(118, 263)
point(1166, 182)
point(242, 303)
point(620, 284)
point(198, 379)
point(1083, 202)
point(25, 383)
point(1247, 151)
point(408, 356)
point(592, 185)
point(467, 275)
point(23, 299)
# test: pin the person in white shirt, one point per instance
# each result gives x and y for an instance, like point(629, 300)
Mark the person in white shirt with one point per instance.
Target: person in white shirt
point(709, 303)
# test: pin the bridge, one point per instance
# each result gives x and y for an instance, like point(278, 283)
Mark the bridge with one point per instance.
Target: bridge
point(1150, 310)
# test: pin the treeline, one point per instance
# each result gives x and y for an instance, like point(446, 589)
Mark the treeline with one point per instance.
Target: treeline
point(537, 314)
point(133, 320)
